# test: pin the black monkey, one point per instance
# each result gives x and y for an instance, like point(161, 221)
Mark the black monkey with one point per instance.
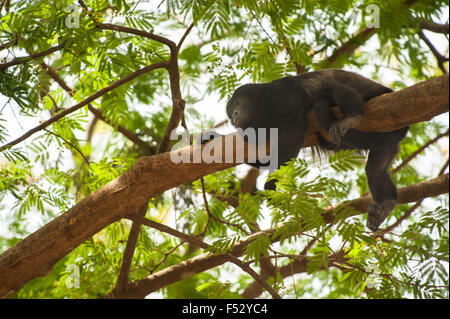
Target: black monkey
point(285, 103)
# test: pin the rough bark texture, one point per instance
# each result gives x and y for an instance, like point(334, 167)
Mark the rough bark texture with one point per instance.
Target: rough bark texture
point(417, 103)
point(151, 176)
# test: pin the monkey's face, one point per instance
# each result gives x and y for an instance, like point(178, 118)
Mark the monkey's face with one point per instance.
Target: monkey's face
point(239, 110)
point(244, 109)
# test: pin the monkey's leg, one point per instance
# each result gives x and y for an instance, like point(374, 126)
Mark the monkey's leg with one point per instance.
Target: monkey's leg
point(354, 138)
point(381, 186)
point(323, 113)
point(351, 104)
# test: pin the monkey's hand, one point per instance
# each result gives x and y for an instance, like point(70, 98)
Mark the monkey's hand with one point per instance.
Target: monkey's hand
point(340, 127)
point(378, 212)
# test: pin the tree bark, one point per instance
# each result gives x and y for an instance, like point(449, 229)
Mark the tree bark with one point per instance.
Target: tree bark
point(152, 175)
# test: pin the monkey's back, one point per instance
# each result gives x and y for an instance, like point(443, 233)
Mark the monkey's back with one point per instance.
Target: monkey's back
point(314, 82)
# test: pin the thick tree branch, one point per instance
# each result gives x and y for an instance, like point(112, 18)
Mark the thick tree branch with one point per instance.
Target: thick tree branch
point(349, 47)
point(152, 175)
point(417, 103)
point(352, 44)
point(434, 27)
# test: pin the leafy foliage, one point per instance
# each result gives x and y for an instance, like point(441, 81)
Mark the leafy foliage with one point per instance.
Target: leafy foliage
point(306, 222)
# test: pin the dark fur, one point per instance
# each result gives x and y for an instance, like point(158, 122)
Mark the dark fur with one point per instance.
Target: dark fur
point(285, 103)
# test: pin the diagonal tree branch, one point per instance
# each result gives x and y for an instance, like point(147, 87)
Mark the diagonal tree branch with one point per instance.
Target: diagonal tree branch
point(418, 151)
point(122, 279)
point(20, 60)
point(439, 57)
point(434, 27)
point(352, 44)
point(98, 113)
point(86, 101)
point(201, 244)
point(169, 275)
point(70, 144)
point(349, 47)
point(145, 34)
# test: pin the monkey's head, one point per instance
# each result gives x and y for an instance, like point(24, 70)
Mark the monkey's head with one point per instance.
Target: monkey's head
point(245, 108)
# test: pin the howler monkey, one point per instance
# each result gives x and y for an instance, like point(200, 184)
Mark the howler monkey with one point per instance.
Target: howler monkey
point(285, 103)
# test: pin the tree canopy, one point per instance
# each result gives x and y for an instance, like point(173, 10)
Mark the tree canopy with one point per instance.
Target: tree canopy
point(91, 204)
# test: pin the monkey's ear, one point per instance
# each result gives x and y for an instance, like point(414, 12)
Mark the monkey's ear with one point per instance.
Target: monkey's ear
point(208, 136)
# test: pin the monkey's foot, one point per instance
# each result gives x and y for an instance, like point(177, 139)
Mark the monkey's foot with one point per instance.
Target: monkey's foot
point(340, 127)
point(378, 212)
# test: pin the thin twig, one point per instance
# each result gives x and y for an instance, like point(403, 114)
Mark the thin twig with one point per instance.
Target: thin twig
point(201, 244)
point(418, 151)
point(20, 60)
point(70, 144)
point(125, 132)
point(122, 279)
point(298, 67)
point(210, 215)
point(184, 36)
point(255, 276)
point(442, 171)
point(97, 113)
point(439, 57)
point(166, 255)
point(86, 101)
point(1, 5)
point(56, 108)
point(166, 229)
point(145, 34)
